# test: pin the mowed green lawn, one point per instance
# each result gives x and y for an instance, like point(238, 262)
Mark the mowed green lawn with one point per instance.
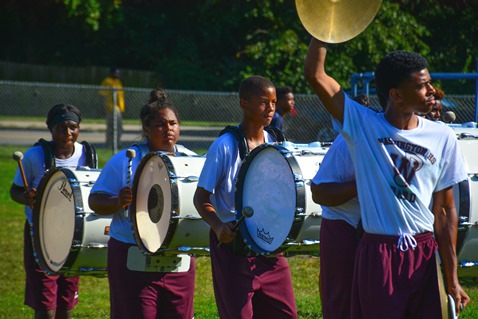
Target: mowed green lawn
point(94, 295)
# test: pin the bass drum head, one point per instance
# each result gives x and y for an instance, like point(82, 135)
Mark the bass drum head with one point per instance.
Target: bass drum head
point(53, 220)
point(151, 206)
point(266, 184)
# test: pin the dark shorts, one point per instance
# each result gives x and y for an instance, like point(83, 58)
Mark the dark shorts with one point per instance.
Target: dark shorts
point(147, 295)
point(247, 287)
point(338, 243)
point(44, 292)
point(391, 283)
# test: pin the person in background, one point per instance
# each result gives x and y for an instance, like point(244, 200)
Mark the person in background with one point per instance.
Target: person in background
point(334, 188)
point(245, 285)
point(362, 99)
point(140, 294)
point(435, 113)
point(285, 104)
point(50, 296)
point(114, 107)
point(401, 165)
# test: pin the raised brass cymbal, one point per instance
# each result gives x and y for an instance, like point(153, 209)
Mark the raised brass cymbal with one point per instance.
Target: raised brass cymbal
point(336, 21)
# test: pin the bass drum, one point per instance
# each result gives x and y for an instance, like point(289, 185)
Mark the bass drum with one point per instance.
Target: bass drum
point(309, 157)
point(273, 182)
point(466, 201)
point(162, 213)
point(68, 237)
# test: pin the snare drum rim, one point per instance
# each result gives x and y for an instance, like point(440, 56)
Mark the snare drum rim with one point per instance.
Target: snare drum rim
point(299, 197)
point(174, 205)
point(78, 227)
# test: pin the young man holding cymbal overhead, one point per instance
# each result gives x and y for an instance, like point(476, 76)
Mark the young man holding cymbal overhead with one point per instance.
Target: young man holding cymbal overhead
point(402, 163)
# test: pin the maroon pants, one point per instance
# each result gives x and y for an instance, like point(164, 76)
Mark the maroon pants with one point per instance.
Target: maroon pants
point(338, 243)
point(395, 284)
point(44, 292)
point(147, 295)
point(251, 287)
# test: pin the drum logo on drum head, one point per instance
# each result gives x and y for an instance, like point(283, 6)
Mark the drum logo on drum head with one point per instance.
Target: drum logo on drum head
point(261, 234)
point(64, 190)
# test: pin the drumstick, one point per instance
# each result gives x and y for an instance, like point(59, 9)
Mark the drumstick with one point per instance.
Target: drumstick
point(18, 156)
point(130, 154)
point(247, 212)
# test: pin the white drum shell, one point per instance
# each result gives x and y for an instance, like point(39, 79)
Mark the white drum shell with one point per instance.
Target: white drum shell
point(468, 247)
point(308, 240)
point(69, 238)
point(177, 227)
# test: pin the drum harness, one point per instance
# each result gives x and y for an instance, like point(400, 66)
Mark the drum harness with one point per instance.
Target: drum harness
point(91, 156)
point(144, 149)
point(241, 139)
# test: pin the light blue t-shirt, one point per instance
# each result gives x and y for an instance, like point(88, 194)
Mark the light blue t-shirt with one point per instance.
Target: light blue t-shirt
point(34, 166)
point(220, 172)
point(337, 167)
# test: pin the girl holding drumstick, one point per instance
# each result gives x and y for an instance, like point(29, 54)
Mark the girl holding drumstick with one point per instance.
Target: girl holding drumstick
point(50, 296)
point(140, 294)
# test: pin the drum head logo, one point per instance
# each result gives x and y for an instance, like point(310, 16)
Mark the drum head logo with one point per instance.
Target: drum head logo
point(265, 236)
point(64, 190)
point(155, 203)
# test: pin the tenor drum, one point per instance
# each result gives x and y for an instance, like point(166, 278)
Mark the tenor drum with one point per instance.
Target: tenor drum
point(162, 213)
point(275, 183)
point(68, 237)
point(466, 201)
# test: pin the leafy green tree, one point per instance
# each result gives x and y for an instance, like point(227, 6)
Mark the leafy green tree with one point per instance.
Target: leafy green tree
point(214, 44)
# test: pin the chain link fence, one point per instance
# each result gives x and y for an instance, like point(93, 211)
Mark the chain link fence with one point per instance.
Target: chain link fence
point(203, 114)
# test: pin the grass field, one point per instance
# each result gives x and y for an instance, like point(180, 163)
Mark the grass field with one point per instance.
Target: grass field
point(94, 295)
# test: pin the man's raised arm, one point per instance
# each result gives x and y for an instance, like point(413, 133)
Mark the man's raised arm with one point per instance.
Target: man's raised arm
point(328, 90)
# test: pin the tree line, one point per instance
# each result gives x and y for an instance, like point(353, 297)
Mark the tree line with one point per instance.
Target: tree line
point(214, 44)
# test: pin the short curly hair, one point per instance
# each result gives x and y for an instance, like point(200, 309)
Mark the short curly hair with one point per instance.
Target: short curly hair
point(395, 68)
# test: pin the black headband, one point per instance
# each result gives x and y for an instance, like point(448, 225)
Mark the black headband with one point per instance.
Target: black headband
point(69, 116)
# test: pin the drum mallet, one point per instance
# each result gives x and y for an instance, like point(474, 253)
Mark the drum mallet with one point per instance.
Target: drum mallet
point(247, 212)
point(130, 153)
point(18, 156)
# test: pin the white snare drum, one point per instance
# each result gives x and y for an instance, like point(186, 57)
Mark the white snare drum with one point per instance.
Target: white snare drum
point(162, 213)
point(466, 201)
point(276, 184)
point(68, 238)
